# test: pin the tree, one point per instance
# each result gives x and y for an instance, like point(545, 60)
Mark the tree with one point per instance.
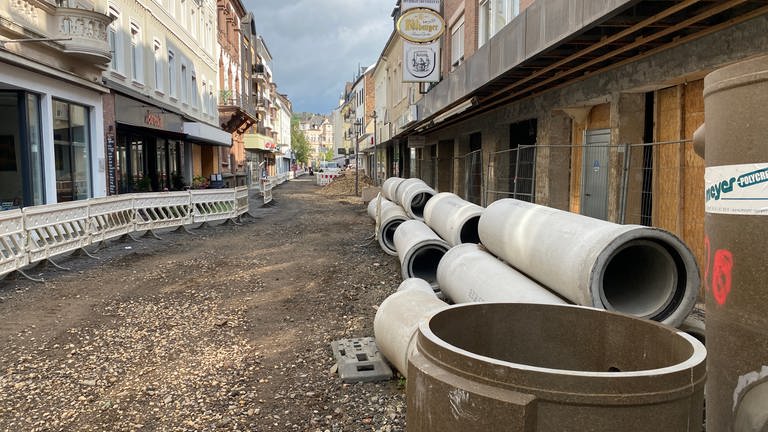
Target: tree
point(299, 142)
point(329, 154)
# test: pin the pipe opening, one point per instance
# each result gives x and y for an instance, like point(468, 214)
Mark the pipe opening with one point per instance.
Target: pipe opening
point(641, 278)
point(418, 203)
point(423, 263)
point(388, 233)
point(559, 337)
point(469, 232)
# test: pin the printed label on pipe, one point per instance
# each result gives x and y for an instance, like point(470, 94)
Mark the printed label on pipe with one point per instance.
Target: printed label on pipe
point(737, 189)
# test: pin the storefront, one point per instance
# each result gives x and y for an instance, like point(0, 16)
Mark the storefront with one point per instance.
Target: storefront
point(156, 150)
point(51, 148)
point(260, 150)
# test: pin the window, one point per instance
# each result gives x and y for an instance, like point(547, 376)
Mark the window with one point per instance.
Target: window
point(194, 95)
point(493, 15)
point(205, 98)
point(159, 81)
point(171, 74)
point(457, 42)
point(137, 61)
point(193, 23)
point(184, 84)
point(115, 41)
point(71, 138)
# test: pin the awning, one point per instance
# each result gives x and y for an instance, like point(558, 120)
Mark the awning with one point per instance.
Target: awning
point(206, 134)
point(255, 141)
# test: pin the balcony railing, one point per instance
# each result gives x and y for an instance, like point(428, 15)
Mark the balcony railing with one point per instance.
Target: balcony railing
point(87, 31)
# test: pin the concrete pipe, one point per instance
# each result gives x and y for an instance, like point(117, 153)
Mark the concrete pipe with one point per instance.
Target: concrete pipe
point(398, 318)
point(467, 273)
point(419, 250)
point(390, 217)
point(736, 227)
point(547, 368)
point(412, 195)
point(641, 271)
point(452, 218)
point(389, 188)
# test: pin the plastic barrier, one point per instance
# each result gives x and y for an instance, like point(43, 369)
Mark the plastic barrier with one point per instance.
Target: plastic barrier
point(212, 204)
point(241, 200)
point(55, 229)
point(325, 178)
point(162, 210)
point(266, 190)
point(13, 240)
point(110, 217)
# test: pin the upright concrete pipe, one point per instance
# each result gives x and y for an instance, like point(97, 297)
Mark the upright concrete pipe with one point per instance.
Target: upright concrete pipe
point(467, 273)
point(546, 368)
point(642, 271)
point(419, 250)
point(391, 216)
point(389, 188)
point(412, 195)
point(452, 218)
point(736, 226)
point(398, 318)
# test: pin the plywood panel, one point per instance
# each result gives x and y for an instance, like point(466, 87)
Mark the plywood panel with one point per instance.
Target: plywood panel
point(667, 161)
point(693, 174)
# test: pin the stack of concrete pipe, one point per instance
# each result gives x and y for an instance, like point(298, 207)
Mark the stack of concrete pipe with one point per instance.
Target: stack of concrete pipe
point(633, 269)
point(412, 194)
point(452, 218)
point(420, 250)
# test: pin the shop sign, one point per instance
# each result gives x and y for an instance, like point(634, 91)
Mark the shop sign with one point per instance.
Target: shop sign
point(421, 62)
point(154, 120)
point(421, 25)
point(427, 4)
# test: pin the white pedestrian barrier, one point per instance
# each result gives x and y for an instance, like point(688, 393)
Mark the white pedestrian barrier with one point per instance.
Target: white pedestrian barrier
point(37, 233)
point(325, 178)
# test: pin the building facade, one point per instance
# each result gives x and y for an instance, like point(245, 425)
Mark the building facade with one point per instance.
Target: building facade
point(52, 134)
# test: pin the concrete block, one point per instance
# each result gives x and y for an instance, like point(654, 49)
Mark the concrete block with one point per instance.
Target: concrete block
point(359, 360)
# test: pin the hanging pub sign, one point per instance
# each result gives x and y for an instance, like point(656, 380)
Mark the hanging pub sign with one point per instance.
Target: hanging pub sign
point(428, 4)
point(420, 25)
point(421, 62)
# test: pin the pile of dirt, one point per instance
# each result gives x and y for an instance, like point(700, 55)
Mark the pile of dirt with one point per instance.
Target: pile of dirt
point(345, 184)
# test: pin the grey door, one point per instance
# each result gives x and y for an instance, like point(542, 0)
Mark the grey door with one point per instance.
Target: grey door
point(594, 179)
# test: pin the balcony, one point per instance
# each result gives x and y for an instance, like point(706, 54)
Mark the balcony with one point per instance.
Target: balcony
point(87, 30)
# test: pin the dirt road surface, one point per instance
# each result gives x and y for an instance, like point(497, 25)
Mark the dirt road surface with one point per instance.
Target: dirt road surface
point(225, 330)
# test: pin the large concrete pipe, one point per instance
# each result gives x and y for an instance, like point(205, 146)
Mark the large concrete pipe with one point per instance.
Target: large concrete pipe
point(412, 195)
point(389, 188)
point(638, 270)
point(452, 218)
point(467, 273)
point(398, 318)
point(419, 250)
point(736, 225)
point(390, 216)
point(546, 368)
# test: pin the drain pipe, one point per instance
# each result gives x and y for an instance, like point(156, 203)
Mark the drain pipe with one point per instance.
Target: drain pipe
point(389, 187)
point(398, 318)
point(467, 273)
point(388, 217)
point(413, 195)
point(633, 269)
point(452, 218)
point(419, 250)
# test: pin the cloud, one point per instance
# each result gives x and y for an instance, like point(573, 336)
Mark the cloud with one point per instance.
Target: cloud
point(317, 45)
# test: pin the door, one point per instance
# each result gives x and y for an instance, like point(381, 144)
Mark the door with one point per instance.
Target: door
point(594, 184)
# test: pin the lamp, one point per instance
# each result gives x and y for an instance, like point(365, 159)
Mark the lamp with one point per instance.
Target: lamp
point(358, 127)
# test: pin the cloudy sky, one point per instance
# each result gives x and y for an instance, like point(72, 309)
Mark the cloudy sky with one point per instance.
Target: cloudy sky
point(317, 45)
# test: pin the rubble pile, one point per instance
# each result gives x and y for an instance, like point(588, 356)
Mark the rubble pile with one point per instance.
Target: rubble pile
point(344, 184)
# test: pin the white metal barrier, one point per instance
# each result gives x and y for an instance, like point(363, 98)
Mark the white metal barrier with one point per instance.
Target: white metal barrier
point(37, 233)
point(325, 178)
point(55, 229)
point(13, 241)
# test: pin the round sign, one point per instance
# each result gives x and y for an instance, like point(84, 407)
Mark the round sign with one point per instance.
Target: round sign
point(420, 25)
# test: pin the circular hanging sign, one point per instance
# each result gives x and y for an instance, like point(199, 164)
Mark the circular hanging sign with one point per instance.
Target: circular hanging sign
point(420, 25)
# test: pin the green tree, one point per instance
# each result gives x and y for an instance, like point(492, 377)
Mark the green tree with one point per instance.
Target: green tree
point(299, 142)
point(329, 154)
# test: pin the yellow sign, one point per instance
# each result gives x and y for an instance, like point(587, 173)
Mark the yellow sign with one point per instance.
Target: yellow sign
point(421, 25)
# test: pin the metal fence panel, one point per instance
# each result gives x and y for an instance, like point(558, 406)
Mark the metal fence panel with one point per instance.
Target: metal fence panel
point(473, 177)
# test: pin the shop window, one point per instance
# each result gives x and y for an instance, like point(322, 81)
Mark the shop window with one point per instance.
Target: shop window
point(71, 138)
point(21, 174)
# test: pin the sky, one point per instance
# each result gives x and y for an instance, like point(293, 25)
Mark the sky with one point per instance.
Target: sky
point(317, 45)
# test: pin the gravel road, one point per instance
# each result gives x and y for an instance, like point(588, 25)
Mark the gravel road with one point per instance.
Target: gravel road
point(228, 329)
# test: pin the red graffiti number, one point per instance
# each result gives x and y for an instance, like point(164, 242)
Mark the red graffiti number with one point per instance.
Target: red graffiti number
point(721, 275)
